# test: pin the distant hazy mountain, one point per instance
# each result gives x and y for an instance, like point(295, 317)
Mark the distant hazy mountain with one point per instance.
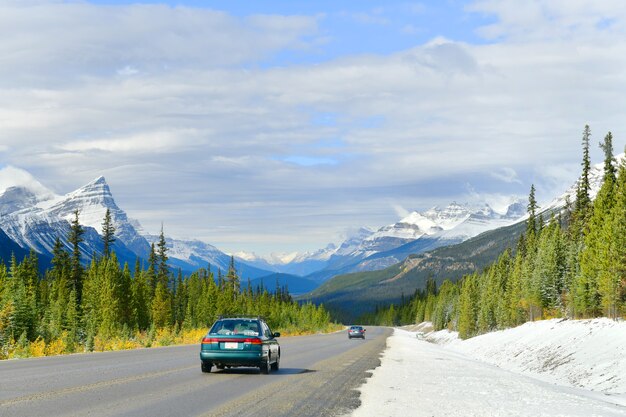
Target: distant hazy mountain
point(368, 249)
point(415, 233)
point(295, 284)
point(294, 263)
point(190, 255)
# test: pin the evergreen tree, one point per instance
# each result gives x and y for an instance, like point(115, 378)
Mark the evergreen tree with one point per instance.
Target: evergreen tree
point(514, 290)
point(583, 200)
point(468, 307)
point(531, 223)
point(152, 270)
point(141, 306)
point(609, 159)
point(163, 271)
point(595, 258)
point(161, 306)
point(108, 234)
point(549, 268)
point(75, 238)
point(232, 279)
point(613, 267)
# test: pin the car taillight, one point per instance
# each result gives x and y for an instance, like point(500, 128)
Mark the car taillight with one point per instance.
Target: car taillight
point(253, 341)
point(209, 340)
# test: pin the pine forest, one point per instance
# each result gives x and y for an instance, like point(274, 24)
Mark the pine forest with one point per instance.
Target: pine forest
point(106, 306)
point(570, 263)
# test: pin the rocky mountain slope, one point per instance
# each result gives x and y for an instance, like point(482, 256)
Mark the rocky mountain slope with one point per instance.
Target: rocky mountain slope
point(33, 216)
point(414, 234)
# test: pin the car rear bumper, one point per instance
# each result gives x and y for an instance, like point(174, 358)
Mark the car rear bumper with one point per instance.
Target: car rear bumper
point(233, 358)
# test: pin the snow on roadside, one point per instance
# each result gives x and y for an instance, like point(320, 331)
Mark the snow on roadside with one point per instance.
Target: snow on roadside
point(589, 354)
point(418, 378)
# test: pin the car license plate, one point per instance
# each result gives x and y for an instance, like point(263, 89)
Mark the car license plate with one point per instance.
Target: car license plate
point(231, 345)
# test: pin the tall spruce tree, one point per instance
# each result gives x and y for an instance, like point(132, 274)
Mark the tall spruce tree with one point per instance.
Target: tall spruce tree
point(468, 306)
point(609, 159)
point(152, 270)
point(595, 258)
point(108, 234)
point(612, 281)
point(232, 279)
point(75, 238)
point(163, 271)
point(582, 206)
point(531, 223)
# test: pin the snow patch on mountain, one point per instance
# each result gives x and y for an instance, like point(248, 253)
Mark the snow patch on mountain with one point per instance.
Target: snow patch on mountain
point(285, 258)
point(194, 252)
point(33, 216)
point(354, 241)
point(455, 222)
point(596, 177)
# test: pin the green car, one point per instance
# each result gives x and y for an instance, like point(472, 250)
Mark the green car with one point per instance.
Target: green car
point(240, 341)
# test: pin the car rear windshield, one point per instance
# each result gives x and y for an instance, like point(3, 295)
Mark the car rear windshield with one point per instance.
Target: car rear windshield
point(232, 327)
point(356, 328)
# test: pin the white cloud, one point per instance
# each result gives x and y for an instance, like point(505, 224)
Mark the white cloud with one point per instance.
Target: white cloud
point(497, 201)
point(401, 211)
point(142, 142)
point(62, 42)
point(541, 20)
point(200, 119)
point(507, 175)
point(11, 176)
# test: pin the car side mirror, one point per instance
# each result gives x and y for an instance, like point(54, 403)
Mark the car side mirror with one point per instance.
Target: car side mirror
point(276, 335)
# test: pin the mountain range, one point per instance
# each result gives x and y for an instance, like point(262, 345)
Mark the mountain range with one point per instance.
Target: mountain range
point(32, 216)
point(352, 293)
point(415, 233)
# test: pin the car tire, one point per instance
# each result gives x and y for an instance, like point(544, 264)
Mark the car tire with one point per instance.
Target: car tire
point(265, 368)
point(206, 367)
point(220, 366)
point(276, 365)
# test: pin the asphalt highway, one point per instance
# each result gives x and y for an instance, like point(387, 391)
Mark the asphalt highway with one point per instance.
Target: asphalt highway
point(317, 377)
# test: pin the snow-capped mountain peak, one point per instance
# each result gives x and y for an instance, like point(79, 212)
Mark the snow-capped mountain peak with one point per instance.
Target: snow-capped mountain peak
point(420, 231)
point(284, 258)
point(448, 217)
point(33, 216)
point(17, 184)
point(92, 201)
point(596, 177)
point(516, 210)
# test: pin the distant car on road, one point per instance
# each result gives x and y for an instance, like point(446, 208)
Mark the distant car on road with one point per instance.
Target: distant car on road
point(356, 331)
point(240, 341)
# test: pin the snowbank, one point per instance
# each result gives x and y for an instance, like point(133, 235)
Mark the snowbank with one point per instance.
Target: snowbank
point(589, 354)
point(546, 368)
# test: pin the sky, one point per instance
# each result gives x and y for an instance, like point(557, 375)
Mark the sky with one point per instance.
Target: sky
point(279, 126)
